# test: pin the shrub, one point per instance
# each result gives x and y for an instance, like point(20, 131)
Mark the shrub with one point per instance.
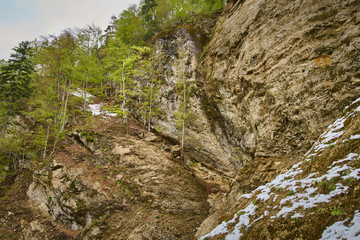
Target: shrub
point(289, 193)
point(89, 138)
point(337, 211)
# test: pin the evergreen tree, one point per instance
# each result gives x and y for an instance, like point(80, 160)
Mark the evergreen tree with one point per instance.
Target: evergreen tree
point(129, 28)
point(15, 80)
point(148, 13)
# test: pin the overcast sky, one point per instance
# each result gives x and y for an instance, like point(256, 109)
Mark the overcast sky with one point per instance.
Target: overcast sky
point(22, 20)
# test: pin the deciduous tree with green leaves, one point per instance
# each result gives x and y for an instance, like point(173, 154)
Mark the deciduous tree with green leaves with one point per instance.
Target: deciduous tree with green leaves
point(88, 41)
point(183, 115)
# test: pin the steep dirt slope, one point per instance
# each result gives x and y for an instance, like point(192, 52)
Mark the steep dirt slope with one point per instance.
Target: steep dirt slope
point(108, 180)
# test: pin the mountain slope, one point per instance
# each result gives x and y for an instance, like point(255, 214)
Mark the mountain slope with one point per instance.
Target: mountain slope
point(315, 193)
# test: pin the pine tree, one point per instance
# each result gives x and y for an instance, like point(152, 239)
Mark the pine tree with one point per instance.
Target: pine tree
point(15, 80)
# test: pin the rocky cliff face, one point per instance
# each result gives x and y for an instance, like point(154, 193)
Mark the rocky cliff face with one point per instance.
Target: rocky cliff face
point(273, 77)
point(209, 157)
point(309, 201)
point(279, 72)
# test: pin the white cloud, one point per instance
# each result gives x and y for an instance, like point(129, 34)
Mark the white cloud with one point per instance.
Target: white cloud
point(12, 35)
point(52, 16)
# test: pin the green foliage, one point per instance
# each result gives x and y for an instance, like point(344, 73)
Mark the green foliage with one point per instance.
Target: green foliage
point(38, 82)
point(16, 73)
point(129, 28)
point(328, 185)
point(89, 138)
point(350, 180)
point(83, 134)
point(136, 25)
point(290, 193)
point(331, 186)
point(4, 166)
point(323, 210)
point(337, 211)
point(15, 81)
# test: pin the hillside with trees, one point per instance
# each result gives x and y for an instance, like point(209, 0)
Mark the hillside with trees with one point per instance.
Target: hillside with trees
point(115, 65)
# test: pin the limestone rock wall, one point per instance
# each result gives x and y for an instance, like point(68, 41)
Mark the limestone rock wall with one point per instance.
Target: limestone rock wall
point(278, 72)
point(273, 76)
point(207, 152)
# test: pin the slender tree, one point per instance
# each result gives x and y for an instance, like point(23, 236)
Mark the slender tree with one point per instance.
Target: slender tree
point(88, 43)
point(183, 91)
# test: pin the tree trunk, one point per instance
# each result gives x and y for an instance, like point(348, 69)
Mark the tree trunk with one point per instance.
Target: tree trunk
point(5, 126)
point(63, 98)
point(6, 121)
point(65, 108)
point(123, 88)
point(62, 117)
point(47, 138)
point(150, 105)
point(183, 120)
point(102, 96)
point(85, 89)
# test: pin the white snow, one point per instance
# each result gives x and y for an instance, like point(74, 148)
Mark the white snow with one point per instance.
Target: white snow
point(349, 157)
point(243, 220)
point(220, 229)
point(94, 108)
point(357, 100)
point(81, 93)
point(334, 132)
point(246, 195)
point(353, 137)
point(297, 215)
point(341, 231)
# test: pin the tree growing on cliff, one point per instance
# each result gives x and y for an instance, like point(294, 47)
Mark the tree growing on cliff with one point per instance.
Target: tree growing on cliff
point(145, 78)
point(183, 116)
